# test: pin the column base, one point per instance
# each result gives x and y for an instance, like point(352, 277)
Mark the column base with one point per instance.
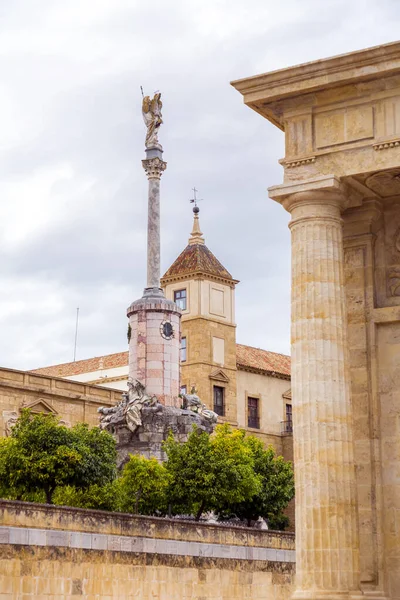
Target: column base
point(153, 292)
point(328, 595)
point(374, 595)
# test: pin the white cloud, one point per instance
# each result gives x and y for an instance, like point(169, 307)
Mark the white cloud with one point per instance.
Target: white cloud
point(72, 189)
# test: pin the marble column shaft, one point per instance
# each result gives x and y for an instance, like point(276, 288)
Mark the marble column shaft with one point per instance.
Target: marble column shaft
point(154, 168)
point(327, 561)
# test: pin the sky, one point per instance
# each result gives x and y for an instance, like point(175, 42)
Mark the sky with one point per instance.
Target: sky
point(73, 194)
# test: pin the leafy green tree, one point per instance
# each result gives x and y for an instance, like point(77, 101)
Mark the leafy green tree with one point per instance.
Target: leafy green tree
point(41, 455)
point(143, 486)
point(276, 491)
point(101, 497)
point(98, 464)
point(209, 472)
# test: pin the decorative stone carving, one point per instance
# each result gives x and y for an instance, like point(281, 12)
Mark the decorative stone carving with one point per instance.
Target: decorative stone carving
point(385, 183)
point(298, 162)
point(10, 420)
point(151, 110)
point(128, 411)
point(140, 423)
point(154, 167)
point(386, 145)
point(394, 282)
point(393, 274)
point(193, 402)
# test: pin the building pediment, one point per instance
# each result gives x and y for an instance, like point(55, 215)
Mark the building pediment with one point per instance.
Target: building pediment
point(219, 375)
point(40, 406)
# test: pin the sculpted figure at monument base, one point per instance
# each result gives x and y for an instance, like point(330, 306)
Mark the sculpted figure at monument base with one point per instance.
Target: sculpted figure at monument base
point(140, 423)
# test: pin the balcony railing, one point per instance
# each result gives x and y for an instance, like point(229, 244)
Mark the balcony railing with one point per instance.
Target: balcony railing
point(253, 422)
point(286, 427)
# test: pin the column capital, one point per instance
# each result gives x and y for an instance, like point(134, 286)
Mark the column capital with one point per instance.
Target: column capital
point(154, 167)
point(324, 189)
point(320, 202)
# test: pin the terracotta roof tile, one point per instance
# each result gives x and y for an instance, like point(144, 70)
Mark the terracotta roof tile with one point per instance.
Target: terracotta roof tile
point(197, 258)
point(110, 361)
point(246, 357)
point(262, 360)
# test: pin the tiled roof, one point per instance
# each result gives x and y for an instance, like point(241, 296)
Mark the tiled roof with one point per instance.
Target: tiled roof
point(262, 360)
point(197, 258)
point(110, 361)
point(246, 357)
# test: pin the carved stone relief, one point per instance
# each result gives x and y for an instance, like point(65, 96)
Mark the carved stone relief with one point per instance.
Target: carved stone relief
point(10, 418)
point(385, 183)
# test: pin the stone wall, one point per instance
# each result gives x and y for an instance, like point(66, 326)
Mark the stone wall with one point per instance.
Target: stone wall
point(73, 402)
point(57, 552)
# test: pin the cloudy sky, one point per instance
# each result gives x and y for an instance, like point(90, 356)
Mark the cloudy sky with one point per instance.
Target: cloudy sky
point(72, 189)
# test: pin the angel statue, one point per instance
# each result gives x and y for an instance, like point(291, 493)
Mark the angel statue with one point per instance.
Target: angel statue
point(151, 110)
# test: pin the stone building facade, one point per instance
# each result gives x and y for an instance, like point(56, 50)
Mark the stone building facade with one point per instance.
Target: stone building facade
point(341, 118)
point(74, 402)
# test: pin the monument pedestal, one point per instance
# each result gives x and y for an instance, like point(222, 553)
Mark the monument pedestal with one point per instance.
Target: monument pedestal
point(154, 345)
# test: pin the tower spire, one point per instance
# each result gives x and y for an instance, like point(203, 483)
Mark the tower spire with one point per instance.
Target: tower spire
point(196, 237)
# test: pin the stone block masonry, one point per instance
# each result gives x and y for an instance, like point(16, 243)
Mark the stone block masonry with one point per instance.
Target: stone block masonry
point(56, 552)
point(154, 356)
point(74, 402)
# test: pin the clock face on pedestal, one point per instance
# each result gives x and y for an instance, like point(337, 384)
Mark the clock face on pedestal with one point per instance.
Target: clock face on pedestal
point(167, 331)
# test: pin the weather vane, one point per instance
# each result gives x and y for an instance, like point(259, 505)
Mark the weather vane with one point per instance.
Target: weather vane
point(195, 200)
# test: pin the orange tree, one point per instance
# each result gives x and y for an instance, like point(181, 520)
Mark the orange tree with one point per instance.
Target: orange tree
point(41, 455)
point(210, 472)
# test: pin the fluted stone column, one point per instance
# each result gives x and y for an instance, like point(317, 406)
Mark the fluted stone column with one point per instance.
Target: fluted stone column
point(326, 525)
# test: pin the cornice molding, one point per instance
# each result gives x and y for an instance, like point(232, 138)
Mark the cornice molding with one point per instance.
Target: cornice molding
point(329, 72)
point(262, 372)
point(200, 276)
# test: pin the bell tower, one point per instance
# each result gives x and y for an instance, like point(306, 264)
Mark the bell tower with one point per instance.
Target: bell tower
point(205, 292)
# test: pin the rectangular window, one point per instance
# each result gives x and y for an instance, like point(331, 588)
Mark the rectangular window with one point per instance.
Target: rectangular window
point(183, 349)
point(288, 424)
point(180, 299)
point(253, 416)
point(219, 400)
point(183, 389)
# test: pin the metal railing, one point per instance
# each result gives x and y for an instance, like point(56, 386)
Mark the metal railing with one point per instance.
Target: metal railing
point(286, 427)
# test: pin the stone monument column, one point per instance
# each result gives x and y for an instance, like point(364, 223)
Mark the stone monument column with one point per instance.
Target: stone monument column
point(154, 167)
point(327, 555)
point(154, 322)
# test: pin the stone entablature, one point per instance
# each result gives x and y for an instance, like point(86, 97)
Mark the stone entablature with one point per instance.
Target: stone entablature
point(336, 113)
point(49, 551)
